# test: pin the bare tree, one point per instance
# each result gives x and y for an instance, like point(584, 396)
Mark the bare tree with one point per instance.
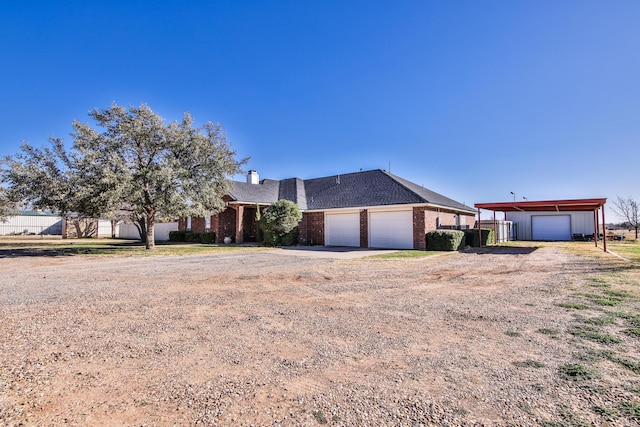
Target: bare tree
point(627, 209)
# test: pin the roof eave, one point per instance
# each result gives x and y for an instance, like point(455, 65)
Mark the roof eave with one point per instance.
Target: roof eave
point(394, 206)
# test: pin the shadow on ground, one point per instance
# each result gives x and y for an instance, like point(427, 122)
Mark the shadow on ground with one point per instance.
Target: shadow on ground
point(32, 252)
point(502, 250)
point(53, 252)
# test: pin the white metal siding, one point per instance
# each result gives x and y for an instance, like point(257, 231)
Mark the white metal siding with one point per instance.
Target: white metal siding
point(581, 222)
point(502, 229)
point(551, 227)
point(342, 229)
point(31, 224)
point(104, 228)
point(161, 231)
point(393, 229)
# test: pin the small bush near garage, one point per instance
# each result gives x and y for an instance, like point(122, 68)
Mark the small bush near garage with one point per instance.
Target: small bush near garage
point(208, 237)
point(272, 238)
point(189, 237)
point(279, 223)
point(178, 236)
point(192, 237)
point(445, 240)
point(472, 239)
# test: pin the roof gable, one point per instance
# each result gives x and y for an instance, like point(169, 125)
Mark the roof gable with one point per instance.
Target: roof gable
point(265, 192)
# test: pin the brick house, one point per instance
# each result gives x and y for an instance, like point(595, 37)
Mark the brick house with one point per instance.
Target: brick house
point(370, 209)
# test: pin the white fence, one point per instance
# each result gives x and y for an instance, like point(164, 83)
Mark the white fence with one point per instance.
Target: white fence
point(31, 224)
point(161, 231)
point(503, 230)
point(52, 225)
point(104, 228)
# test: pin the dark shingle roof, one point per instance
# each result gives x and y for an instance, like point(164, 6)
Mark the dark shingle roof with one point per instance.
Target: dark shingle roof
point(358, 189)
point(265, 192)
point(293, 189)
point(370, 188)
point(431, 196)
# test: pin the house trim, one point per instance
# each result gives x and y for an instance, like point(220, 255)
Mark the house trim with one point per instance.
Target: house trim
point(393, 208)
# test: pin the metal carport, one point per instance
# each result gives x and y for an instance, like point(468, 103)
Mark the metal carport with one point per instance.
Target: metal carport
point(575, 205)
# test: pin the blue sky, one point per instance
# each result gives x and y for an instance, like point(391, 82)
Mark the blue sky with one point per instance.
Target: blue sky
point(472, 99)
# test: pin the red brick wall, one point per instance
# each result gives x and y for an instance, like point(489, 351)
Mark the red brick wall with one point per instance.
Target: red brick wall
point(430, 219)
point(239, 225)
point(214, 227)
point(364, 228)
point(197, 224)
point(447, 218)
point(312, 228)
point(471, 220)
point(226, 224)
point(249, 224)
point(427, 219)
point(419, 230)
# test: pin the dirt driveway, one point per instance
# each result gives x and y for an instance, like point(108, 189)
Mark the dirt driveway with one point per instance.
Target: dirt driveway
point(267, 338)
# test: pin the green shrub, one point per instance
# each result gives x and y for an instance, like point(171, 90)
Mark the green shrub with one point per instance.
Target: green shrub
point(272, 238)
point(279, 223)
point(192, 237)
point(472, 238)
point(178, 236)
point(291, 238)
point(208, 237)
point(445, 240)
point(188, 236)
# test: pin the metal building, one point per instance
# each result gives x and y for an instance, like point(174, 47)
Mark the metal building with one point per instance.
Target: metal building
point(32, 223)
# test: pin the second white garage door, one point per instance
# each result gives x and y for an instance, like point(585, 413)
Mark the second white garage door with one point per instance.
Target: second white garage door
point(393, 230)
point(342, 229)
point(551, 227)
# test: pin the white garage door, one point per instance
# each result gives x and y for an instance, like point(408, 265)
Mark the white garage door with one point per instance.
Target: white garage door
point(393, 230)
point(342, 229)
point(548, 227)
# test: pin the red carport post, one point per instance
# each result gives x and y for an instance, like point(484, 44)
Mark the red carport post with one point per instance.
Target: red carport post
point(595, 227)
point(495, 233)
point(479, 230)
point(604, 231)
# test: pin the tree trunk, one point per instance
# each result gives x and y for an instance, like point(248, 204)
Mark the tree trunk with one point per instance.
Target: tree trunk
point(114, 223)
point(151, 241)
point(76, 223)
point(142, 228)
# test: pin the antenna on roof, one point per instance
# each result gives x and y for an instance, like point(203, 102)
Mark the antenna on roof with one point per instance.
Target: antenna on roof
point(389, 166)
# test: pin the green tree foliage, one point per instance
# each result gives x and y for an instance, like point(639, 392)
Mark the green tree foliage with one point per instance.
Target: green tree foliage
point(6, 206)
point(279, 222)
point(45, 177)
point(131, 162)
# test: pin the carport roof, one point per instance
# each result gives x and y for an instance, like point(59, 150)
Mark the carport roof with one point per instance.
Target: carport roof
point(545, 205)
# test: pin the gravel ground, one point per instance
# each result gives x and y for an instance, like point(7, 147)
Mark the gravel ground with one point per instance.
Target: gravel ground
point(264, 338)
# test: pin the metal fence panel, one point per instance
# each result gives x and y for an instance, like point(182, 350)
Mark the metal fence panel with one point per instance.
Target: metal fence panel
point(31, 224)
point(161, 231)
point(104, 228)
